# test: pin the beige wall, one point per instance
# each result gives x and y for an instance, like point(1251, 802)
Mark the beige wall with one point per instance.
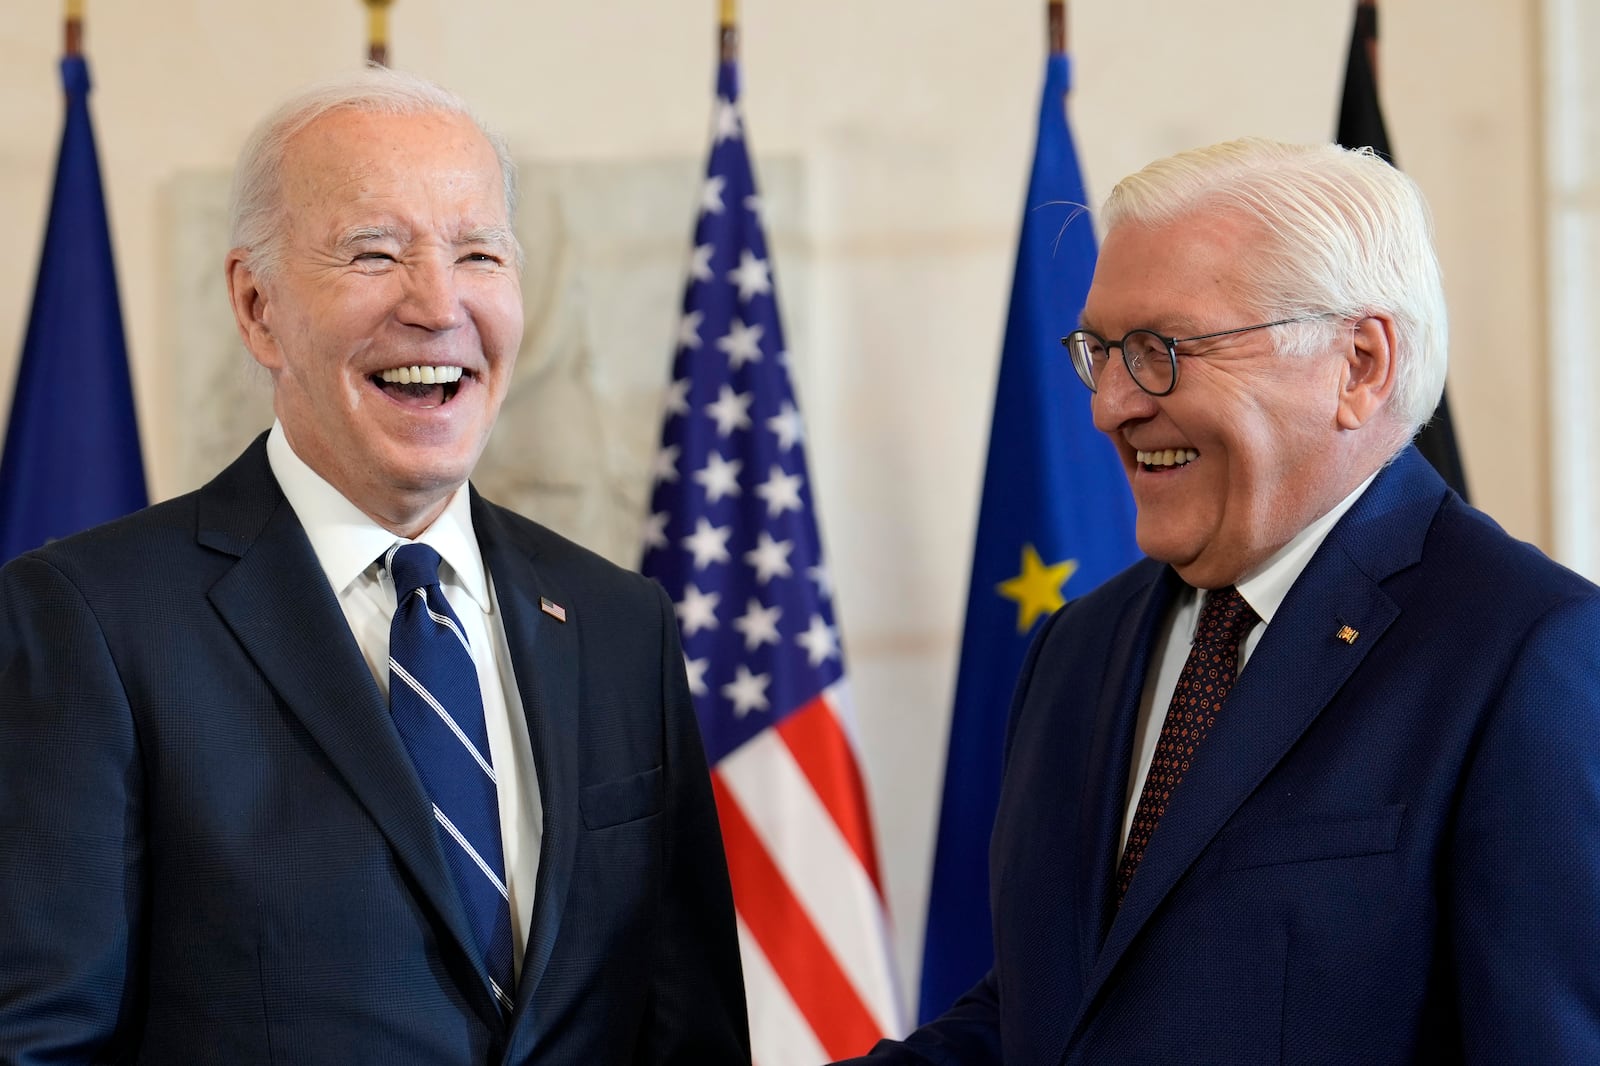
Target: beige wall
point(912, 124)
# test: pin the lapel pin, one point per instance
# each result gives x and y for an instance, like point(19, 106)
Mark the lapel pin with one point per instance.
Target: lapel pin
point(1347, 634)
point(559, 613)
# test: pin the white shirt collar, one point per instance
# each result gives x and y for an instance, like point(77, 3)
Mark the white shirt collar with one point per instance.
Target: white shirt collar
point(1266, 589)
point(347, 542)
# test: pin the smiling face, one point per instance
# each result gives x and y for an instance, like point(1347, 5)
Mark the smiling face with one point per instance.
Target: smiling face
point(391, 326)
point(1250, 447)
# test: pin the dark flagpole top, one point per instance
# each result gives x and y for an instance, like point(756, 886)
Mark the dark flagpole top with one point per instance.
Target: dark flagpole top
point(1057, 10)
point(1367, 31)
point(378, 31)
point(74, 28)
point(1367, 18)
point(728, 31)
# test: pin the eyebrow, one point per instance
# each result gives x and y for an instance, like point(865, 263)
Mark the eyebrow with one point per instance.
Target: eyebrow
point(496, 235)
point(1181, 328)
point(1177, 328)
point(369, 234)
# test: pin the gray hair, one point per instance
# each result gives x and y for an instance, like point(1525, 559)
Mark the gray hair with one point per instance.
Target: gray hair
point(1347, 236)
point(255, 205)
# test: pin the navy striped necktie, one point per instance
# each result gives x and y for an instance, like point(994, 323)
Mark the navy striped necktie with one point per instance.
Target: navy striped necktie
point(437, 709)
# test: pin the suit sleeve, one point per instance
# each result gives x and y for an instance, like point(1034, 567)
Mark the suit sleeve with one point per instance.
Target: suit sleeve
point(697, 995)
point(968, 1034)
point(1524, 907)
point(71, 829)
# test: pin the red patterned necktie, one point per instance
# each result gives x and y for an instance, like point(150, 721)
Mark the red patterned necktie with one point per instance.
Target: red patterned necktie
point(1208, 675)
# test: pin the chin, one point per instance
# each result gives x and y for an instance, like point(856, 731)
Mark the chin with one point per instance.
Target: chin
point(414, 477)
point(1161, 546)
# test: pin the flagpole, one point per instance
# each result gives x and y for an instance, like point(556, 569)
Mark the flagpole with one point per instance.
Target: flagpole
point(74, 27)
point(378, 31)
point(728, 30)
point(1058, 26)
point(1367, 18)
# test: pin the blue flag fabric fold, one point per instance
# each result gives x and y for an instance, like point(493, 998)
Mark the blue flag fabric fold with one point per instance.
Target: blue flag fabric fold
point(1056, 519)
point(71, 457)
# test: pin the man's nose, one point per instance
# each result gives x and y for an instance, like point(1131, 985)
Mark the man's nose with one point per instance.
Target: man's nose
point(432, 299)
point(1118, 399)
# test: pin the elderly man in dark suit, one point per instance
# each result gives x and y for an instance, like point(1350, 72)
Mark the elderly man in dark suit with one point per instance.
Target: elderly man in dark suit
point(333, 761)
point(1319, 780)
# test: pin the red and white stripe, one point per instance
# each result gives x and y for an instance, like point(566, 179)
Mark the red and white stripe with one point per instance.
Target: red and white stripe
point(813, 927)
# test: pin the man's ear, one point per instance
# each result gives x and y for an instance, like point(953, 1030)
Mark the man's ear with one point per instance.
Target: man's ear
point(1368, 376)
point(249, 300)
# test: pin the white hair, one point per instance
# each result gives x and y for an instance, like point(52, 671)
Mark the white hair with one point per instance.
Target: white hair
point(1346, 236)
point(255, 202)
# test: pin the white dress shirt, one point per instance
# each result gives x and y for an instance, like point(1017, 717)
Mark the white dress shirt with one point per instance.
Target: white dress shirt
point(1264, 591)
point(349, 545)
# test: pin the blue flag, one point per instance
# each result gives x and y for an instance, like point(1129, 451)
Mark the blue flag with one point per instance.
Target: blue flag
point(71, 456)
point(1056, 520)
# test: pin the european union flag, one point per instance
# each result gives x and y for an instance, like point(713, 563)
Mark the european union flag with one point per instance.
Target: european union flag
point(1056, 519)
point(71, 457)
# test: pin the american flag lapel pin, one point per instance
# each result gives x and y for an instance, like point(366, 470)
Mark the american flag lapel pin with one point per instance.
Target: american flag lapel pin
point(552, 608)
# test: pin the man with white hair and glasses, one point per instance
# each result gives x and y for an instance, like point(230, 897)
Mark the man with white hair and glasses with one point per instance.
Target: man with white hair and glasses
point(1319, 779)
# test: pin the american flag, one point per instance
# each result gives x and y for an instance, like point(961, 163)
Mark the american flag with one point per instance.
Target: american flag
point(733, 538)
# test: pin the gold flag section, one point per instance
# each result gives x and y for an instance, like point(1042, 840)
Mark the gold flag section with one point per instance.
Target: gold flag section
point(728, 30)
point(74, 27)
point(378, 31)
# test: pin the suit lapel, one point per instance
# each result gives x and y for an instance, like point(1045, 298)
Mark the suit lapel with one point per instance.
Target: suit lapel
point(1291, 677)
point(544, 655)
point(1099, 832)
point(314, 665)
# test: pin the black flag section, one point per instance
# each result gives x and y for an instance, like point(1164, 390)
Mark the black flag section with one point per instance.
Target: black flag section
point(1361, 125)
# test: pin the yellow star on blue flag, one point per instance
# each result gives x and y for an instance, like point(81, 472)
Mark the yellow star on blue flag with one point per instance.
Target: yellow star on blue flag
point(1037, 589)
point(1053, 483)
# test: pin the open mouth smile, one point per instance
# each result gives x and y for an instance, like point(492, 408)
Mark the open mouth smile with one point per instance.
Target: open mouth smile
point(1166, 459)
point(421, 386)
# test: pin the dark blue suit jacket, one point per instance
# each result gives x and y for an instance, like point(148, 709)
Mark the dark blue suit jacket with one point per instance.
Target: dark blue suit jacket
point(1387, 851)
point(215, 849)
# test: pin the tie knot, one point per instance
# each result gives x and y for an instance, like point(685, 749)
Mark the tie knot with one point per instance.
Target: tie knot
point(413, 566)
point(1225, 618)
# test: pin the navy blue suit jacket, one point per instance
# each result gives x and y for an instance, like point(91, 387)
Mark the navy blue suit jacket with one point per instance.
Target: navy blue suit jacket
point(216, 850)
point(1387, 850)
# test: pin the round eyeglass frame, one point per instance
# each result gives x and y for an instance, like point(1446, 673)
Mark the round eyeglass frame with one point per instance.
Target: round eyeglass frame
point(1077, 345)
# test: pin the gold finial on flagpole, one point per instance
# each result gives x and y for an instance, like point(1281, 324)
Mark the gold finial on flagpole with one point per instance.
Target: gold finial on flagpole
point(728, 30)
point(74, 27)
point(378, 31)
point(1058, 26)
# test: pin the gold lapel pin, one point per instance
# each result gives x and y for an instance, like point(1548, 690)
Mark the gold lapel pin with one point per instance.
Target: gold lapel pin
point(1347, 634)
point(554, 609)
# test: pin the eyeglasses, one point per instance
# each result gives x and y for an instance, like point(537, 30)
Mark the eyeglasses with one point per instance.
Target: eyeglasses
point(1152, 359)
